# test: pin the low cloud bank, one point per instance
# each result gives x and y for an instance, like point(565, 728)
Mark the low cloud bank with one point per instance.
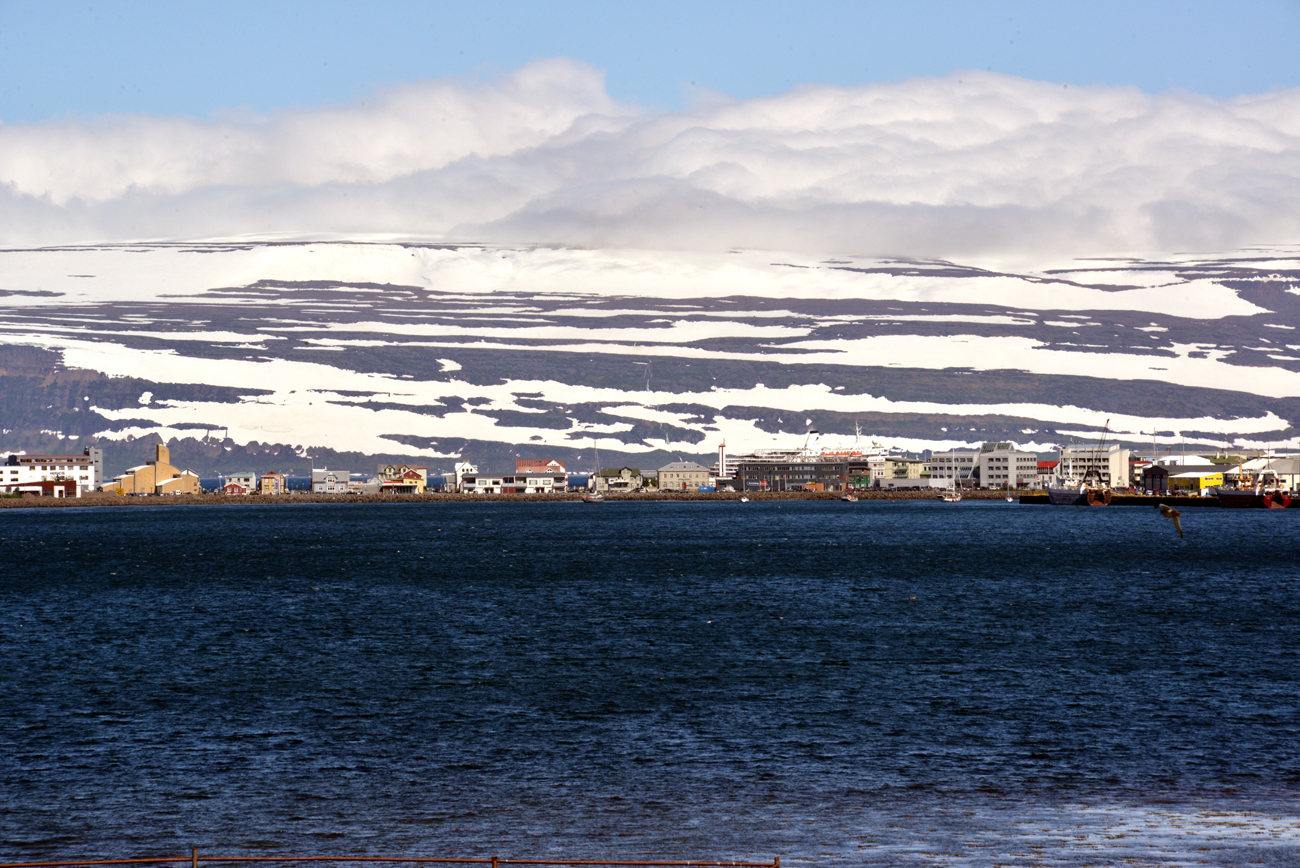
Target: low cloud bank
point(969, 164)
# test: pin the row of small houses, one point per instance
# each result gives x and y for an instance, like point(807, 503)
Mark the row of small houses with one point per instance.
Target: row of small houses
point(1189, 475)
point(995, 465)
point(531, 476)
point(51, 475)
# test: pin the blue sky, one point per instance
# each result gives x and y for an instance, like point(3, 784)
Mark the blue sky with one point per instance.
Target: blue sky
point(92, 58)
point(920, 129)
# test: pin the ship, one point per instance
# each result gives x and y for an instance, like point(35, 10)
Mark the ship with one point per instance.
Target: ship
point(1258, 498)
point(1082, 495)
point(1092, 490)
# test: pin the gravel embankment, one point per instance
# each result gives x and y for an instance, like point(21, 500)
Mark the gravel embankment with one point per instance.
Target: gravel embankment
point(307, 497)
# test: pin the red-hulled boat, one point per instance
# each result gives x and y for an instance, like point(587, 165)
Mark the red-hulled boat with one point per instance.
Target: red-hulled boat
point(1256, 499)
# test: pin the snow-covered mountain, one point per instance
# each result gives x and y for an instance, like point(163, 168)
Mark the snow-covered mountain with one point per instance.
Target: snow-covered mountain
point(283, 353)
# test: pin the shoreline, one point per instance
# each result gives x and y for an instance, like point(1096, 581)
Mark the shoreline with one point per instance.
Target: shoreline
point(1025, 497)
point(569, 497)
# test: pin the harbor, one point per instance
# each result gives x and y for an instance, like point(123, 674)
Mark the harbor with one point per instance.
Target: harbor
point(804, 678)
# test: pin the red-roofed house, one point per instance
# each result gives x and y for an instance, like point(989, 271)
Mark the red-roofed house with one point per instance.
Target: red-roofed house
point(402, 479)
point(538, 466)
point(1046, 473)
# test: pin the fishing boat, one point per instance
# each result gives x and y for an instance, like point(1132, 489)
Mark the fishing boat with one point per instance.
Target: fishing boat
point(850, 498)
point(1092, 490)
point(1267, 491)
point(1089, 493)
point(1258, 498)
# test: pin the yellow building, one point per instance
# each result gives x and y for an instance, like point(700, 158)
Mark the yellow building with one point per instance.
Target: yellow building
point(1195, 481)
point(273, 483)
point(402, 478)
point(156, 477)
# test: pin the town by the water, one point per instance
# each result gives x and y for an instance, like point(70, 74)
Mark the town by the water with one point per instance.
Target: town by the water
point(1097, 475)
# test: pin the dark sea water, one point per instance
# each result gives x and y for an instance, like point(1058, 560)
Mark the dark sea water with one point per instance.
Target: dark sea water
point(897, 684)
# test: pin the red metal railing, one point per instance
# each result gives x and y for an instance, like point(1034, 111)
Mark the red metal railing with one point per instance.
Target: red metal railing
point(194, 859)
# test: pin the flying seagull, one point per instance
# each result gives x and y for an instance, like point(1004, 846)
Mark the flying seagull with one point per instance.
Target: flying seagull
point(1170, 512)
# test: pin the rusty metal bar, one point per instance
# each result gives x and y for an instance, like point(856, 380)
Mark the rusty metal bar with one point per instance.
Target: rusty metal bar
point(194, 859)
point(451, 859)
point(158, 860)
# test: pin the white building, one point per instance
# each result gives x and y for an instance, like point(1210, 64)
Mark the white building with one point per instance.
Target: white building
point(86, 469)
point(955, 464)
point(518, 483)
point(326, 481)
point(464, 469)
point(472, 483)
point(1110, 462)
point(537, 483)
point(1286, 472)
point(1001, 465)
point(1047, 474)
point(245, 479)
point(34, 480)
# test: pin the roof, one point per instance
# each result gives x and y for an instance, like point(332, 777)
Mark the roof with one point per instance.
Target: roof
point(527, 464)
point(1047, 465)
point(680, 466)
point(271, 473)
point(1177, 469)
point(618, 471)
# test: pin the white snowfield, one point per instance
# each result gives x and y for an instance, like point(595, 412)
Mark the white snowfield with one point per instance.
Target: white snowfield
point(617, 304)
point(148, 272)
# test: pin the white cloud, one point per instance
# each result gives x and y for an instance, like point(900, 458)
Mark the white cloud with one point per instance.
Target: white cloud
point(972, 163)
point(408, 129)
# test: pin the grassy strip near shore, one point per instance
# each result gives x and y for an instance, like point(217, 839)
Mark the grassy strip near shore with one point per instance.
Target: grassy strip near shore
point(308, 497)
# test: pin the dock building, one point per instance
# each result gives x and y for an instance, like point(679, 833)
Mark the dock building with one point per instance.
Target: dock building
point(1110, 463)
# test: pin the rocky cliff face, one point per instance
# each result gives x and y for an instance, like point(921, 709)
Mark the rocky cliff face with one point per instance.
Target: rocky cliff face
point(284, 355)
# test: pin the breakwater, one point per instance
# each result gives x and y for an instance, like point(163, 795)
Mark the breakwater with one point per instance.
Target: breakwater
point(300, 497)
point(1028, 498)
point(1176, 501)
